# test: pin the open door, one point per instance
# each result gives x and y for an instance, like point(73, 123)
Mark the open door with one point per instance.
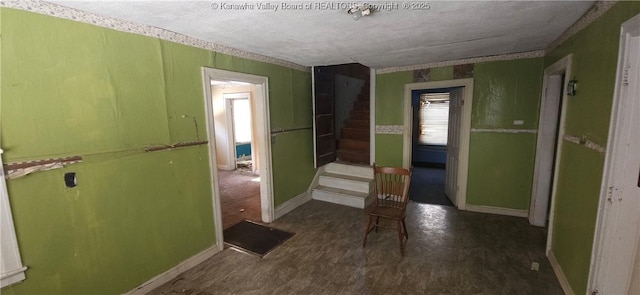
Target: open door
point(453, 145)
point(323, 114)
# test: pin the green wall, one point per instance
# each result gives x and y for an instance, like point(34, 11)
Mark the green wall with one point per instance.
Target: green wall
point(389, 104)
point(595, 54)
point(501, 164)
point(504, 91)
point(69, 89)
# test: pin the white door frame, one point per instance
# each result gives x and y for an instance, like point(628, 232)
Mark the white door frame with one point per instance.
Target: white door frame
point(549, 141)
point(372, 116)
point(313, 115)
point(231, 135)
point(465, 129)
point(618, 222)
point(558, 68)
point(11, 269)
point(263, 142)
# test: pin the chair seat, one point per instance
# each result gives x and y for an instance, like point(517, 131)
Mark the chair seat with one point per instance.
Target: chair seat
point(385, 212)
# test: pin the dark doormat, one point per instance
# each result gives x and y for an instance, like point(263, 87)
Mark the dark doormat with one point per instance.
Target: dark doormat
point(254, 238)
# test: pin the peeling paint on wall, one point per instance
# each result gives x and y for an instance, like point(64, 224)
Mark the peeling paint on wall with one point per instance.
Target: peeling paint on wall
point(421, 75)
point(463, 71)
point(584, 141)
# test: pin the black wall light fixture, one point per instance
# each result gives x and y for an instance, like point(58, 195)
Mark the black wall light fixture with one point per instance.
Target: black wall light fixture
point(572, 86)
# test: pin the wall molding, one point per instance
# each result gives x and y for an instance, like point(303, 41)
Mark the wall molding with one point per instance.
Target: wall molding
point(73, 14)
point(389, 129)
point(564, 283)
point(583, 141)
point(173, 272)
point(292, 204)
point(471, 60)
point(597, 10)
point(497, 210)
point(59, 11)
point(483, 130)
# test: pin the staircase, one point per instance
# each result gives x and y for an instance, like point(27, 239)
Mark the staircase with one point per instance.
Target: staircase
point(349, 185)
point(354, 142)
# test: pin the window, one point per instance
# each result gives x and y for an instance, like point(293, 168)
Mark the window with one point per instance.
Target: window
point(11, 268)
point(434, 119)
point(242, 120)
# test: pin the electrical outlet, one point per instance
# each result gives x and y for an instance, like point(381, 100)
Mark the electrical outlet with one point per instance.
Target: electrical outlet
point(70, 179)
point(535, 266)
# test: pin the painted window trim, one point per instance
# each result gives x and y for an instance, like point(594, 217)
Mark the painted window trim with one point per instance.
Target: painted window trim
point(11, 266)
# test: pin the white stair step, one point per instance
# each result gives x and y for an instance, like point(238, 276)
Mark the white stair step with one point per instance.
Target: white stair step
point(341, 196)
point(346, 182)
point(353, 170)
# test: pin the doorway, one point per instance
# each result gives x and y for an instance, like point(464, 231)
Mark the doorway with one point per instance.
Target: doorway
point(341, 112)
point(430, 138)
point(240, 128)
point(458, 128)
point(222, 150)
point(238, 182)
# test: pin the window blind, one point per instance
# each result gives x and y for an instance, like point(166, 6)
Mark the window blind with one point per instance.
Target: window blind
point(434, 119)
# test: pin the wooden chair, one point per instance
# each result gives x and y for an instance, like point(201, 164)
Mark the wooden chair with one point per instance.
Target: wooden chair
point(391, 196)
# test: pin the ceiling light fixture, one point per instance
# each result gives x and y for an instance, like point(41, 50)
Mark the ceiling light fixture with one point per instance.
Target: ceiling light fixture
point(360, 10)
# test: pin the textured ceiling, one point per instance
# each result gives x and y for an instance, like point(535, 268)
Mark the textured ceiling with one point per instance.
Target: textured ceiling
point(322, 33)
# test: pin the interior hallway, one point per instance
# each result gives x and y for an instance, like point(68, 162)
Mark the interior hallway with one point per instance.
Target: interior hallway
point(448, 252)
point(239, 196)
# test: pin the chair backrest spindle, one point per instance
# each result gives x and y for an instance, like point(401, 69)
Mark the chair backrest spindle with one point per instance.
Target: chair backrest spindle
point(391, 186)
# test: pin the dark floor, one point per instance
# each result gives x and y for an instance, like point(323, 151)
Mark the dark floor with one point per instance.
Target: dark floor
point(448, 252)
point(427, 186)
point(239, 197)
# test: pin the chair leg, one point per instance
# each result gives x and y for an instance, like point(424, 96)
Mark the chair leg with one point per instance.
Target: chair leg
point(377, 221)
point(404, 225)
point(366, 232)
point(400, 236)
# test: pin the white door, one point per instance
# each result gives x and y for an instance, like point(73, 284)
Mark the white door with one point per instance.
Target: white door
point(453, 145)
point(619, 222)
point(546, 146)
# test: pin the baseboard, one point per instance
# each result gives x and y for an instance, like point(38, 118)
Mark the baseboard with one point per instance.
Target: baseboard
point(300, 199)
point(172, 273)
point(564, 283)
point(316, 179)
point(497, 210)
point(289, 205)
point(224, 167)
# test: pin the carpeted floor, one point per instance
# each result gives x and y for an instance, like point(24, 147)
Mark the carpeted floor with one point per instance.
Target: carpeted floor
point(427, 186)
point(239, 197)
